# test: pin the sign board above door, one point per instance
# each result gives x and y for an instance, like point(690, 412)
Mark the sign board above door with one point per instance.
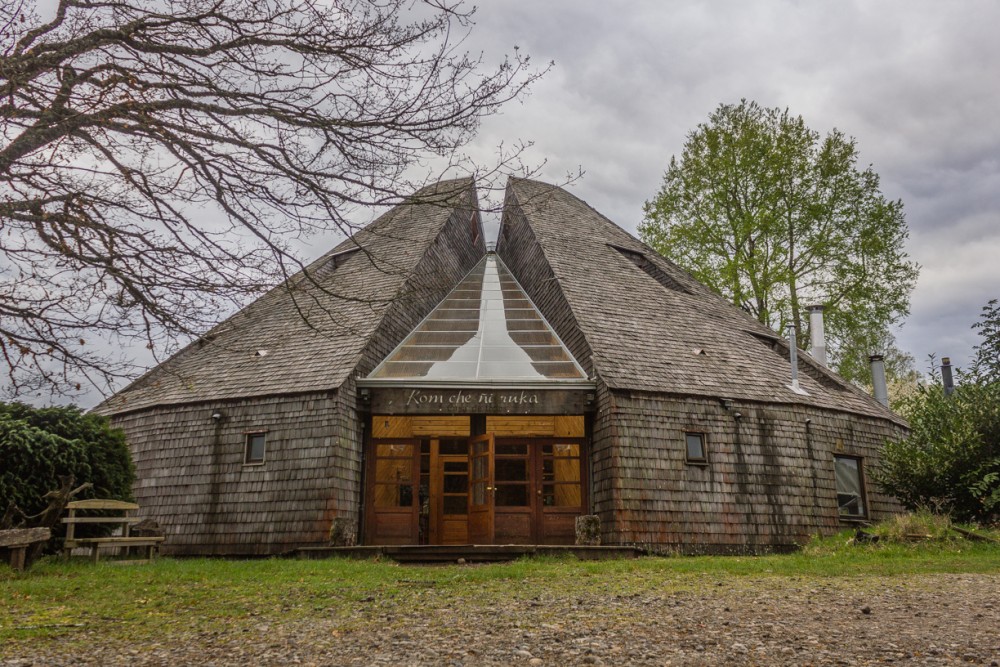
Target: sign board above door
point(479, 400)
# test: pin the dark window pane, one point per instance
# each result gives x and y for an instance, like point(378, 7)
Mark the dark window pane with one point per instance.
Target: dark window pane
point(456, 483)
point(456, 466)
point(255, 448)
point(480, 467)
point(453, 447)
point(850, 494)
point(511, 470)
point(512, 495)
point(695, 446)
point(512, 450)
point(456, 504)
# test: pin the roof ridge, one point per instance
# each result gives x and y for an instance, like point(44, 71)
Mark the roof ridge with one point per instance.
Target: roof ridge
point(511, 193)
point(473, 206)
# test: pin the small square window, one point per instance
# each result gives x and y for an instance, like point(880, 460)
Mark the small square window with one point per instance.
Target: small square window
point(850, 487)
point(695, 443)
point(255, 448)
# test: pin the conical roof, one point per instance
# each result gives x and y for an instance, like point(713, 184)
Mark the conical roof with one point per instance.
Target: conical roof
point(313, 332)
point(646, 324)
point(486, 331)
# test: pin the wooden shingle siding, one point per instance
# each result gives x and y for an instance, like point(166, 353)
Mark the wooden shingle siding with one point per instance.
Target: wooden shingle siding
point(769, 483)
point(191, 477)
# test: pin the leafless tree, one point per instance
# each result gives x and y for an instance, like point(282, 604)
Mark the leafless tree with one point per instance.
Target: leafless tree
point(158, 157)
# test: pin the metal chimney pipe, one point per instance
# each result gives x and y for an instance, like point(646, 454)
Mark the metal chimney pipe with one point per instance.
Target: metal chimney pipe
point(817, 335)
point(946, 376)
point(879, 386)
point(793, 357)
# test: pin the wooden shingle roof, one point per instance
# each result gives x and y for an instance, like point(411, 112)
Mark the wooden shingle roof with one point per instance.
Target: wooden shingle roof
point(308, 334)
point(650, 326)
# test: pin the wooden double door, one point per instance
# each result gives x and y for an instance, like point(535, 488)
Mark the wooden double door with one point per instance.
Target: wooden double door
point(478, 490)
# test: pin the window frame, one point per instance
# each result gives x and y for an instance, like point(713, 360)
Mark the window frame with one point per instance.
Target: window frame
point(862, 488)
point(248, 438)
point(696, 461)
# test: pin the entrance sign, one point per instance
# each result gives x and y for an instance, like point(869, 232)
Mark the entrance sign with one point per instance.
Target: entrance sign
point(473, 400)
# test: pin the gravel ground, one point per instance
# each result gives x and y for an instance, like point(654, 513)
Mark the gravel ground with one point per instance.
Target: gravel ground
point(924, 620)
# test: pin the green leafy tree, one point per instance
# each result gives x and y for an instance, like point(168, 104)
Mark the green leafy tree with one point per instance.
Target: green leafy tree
point(986, 363)
point(38, 445)
point(951, 459)
point(775, 217)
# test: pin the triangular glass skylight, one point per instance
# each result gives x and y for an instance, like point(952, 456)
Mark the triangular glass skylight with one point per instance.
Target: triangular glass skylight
point(485, 330)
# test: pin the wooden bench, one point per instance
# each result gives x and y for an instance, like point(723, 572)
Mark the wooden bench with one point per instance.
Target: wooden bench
point(17, 541)
point(123, 522)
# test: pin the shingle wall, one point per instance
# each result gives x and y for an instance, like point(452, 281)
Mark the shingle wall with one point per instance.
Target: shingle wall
point(769, 483)
point(192, 478)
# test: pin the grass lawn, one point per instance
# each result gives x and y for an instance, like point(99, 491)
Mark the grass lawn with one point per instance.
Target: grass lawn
point(55, 600)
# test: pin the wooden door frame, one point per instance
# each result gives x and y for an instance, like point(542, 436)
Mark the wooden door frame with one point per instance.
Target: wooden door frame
point(542, 510)
point(536, 482)
point(489, 507)
point(370, 465)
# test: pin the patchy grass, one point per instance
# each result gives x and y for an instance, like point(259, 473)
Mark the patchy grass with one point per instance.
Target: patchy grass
point(70, 602)
point(927, 525)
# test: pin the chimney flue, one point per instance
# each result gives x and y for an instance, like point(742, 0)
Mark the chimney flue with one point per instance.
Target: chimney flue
point(817, 334)
point(793, 357)
point(946, 376)
point(879, 386)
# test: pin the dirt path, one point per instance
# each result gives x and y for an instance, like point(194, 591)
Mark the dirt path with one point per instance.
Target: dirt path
point(925, 620)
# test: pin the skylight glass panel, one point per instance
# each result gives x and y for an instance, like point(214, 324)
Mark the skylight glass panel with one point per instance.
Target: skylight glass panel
point(486, 329)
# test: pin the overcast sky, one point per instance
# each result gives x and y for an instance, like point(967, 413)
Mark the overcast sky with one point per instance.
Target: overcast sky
point(916, 83)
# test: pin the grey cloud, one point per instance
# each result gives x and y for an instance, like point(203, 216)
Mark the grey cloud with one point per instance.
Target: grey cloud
point(912, 81)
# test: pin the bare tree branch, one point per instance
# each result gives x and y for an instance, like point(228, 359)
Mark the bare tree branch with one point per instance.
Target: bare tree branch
point(157, 158)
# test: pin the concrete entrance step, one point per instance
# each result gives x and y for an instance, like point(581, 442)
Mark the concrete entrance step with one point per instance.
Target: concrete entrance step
point(470, 553)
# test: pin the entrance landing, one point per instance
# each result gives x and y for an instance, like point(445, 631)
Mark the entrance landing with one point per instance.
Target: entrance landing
point(469, 553)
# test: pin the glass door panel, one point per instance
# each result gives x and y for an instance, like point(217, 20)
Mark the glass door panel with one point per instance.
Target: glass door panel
point(561, 475)
point(453, 508)
point(481, 487)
